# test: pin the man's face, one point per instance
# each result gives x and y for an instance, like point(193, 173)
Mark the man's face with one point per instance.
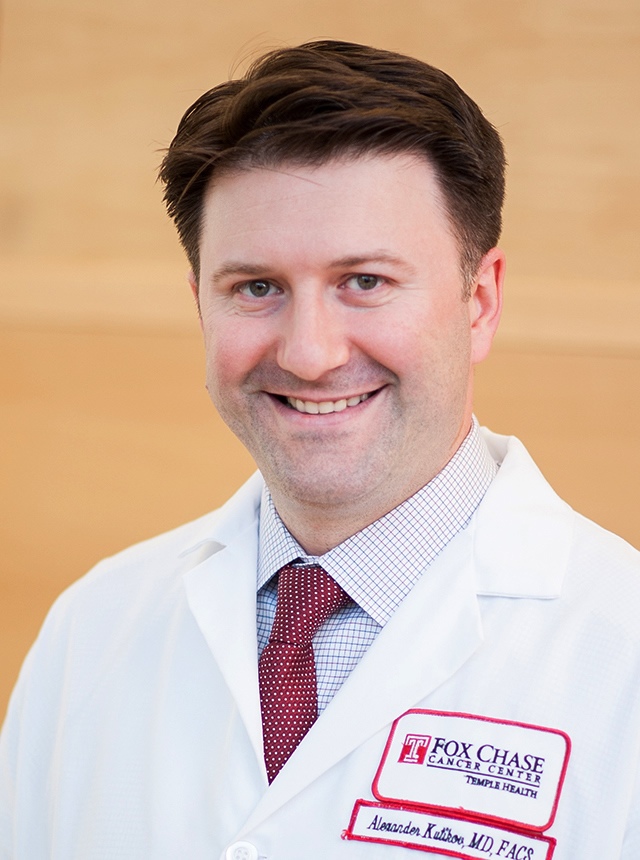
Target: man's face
point(339, 346)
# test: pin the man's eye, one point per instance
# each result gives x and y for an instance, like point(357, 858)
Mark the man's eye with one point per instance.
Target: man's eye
point(364, 282)
point(258, 289)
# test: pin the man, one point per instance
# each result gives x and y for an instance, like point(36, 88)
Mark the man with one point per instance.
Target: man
point(396, 638)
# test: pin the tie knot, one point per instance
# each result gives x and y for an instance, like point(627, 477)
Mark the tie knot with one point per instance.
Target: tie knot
point(307, 596)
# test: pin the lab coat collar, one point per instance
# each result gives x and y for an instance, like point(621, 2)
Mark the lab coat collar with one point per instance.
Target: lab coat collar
point(221, 592)
point(522, 531)
point(218, 529)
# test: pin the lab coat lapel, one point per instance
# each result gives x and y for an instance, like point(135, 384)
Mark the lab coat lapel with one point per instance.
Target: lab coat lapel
point(426, 641)
point(221, 593)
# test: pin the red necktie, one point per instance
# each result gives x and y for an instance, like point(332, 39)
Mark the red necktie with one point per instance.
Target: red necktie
point(307, 596)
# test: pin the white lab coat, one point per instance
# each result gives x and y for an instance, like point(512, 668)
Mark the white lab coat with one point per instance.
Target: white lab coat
point(135, 729)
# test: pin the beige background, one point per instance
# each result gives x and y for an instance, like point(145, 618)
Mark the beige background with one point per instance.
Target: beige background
point(107, 435)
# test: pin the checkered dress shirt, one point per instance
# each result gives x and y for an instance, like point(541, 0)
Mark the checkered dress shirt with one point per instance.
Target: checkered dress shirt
point(379, 565)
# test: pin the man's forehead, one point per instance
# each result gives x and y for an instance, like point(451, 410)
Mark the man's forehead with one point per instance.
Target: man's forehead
point(375, 180)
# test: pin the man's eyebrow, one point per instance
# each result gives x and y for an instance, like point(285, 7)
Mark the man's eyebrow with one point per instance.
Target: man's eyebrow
point(256, 270)
point(364, 259)
point(252, 270)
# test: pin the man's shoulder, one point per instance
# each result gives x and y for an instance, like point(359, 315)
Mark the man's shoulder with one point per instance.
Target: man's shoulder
point(606, 561)
point(600, 543)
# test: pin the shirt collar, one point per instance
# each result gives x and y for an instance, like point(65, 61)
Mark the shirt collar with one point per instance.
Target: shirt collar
point(379, 565)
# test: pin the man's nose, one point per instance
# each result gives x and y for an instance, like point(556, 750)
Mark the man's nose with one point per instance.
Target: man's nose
point(313, 339)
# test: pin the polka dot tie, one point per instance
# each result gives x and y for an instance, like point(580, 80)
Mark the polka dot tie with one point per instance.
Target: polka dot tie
point(307, 596)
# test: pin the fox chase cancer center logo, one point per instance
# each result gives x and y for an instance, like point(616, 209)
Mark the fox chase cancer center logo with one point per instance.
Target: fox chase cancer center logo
point(414, 749)
point(492, 768)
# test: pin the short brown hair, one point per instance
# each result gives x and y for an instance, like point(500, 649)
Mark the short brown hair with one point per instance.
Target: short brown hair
point(327, 99)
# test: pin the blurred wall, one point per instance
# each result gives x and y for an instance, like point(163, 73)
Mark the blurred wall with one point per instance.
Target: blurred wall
point(107, 435)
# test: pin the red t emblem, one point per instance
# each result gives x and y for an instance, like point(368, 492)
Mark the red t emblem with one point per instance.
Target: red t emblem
point(414, 749)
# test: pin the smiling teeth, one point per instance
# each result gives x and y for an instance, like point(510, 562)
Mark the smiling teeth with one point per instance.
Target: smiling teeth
point(326, 406)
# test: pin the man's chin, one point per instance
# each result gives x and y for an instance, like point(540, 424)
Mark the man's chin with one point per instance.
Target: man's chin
point(334, 488)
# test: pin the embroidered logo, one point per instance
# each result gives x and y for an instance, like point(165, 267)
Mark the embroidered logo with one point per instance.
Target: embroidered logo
point(414, 749)
point(490, 768)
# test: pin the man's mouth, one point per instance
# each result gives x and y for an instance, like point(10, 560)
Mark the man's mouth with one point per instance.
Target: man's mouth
point(324, 407)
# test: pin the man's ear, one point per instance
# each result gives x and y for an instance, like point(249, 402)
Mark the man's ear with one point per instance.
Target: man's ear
point(485, 303)
point(193, 283)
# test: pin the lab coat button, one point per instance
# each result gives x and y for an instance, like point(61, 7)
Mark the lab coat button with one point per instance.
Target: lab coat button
point(242, 851)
